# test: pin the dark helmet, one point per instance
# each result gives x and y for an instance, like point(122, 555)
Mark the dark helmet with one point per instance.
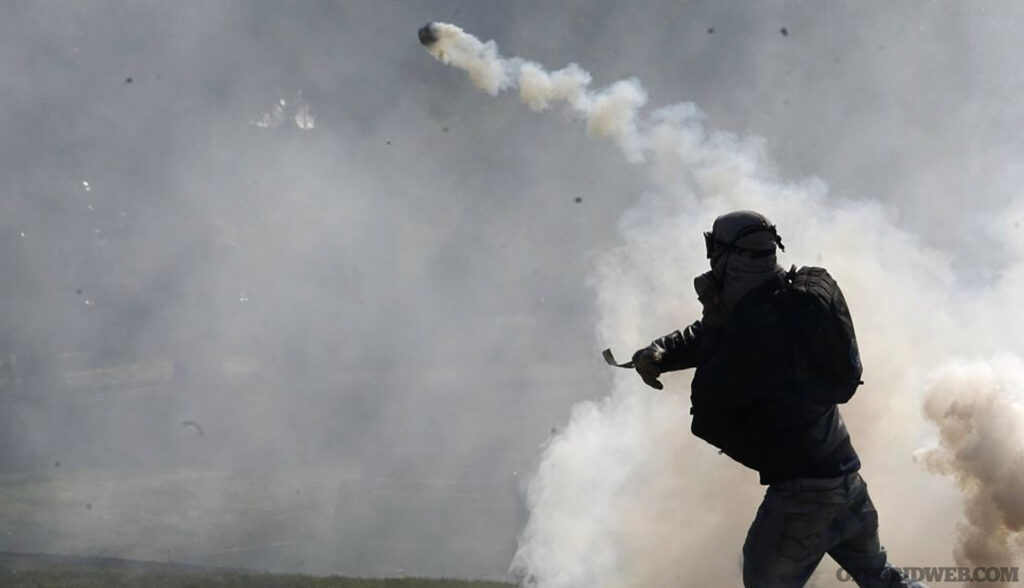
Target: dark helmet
point(743, 232)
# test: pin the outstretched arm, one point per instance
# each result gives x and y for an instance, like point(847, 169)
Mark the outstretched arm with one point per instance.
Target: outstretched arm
point(681, 347)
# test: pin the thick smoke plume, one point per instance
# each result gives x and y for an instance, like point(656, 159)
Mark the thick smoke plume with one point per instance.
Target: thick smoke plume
point(624, 495)
point(977, 409)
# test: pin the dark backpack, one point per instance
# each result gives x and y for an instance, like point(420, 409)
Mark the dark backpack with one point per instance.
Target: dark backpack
point(819, 327)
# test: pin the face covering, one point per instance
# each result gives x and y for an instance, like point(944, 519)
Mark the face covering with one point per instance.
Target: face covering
point(709, 293)
point(738, 274)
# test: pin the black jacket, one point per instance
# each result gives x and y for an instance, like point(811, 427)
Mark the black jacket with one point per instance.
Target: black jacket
point(743, 400)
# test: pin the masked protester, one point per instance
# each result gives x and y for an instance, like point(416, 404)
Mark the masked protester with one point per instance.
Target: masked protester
point(763, 394)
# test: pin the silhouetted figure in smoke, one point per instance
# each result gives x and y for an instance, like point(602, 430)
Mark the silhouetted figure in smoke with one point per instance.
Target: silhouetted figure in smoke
point(764, 392)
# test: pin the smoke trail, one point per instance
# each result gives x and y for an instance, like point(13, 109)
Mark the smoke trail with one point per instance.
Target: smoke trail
point(624, 495)
point(976, 407)
point(453, 46)
point(610, 112)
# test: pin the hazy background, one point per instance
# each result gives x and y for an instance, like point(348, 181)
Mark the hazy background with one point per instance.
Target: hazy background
point(379, 320)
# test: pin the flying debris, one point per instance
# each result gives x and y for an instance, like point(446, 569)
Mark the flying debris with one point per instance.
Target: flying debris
point(283, 111)
point(303, 119)
point(427, 36)
point(195, 426)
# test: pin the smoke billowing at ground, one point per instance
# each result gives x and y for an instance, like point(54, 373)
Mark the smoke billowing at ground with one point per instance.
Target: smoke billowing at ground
point(977, 409)
point(282, 292)
point(626, 453)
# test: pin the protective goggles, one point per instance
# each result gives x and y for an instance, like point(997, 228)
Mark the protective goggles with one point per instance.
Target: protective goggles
point(712, 244)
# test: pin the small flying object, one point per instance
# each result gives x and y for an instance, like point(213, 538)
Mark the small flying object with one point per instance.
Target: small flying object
point(196, 426)
point(426, 34)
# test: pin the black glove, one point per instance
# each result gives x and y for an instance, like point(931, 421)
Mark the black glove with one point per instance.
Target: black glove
point(709, 292)
point(647, 362)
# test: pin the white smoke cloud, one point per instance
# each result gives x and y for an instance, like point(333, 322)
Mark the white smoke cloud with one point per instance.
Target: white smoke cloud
point(610, 112)
point(977, 407)
point(480, 60)
point(624, 495)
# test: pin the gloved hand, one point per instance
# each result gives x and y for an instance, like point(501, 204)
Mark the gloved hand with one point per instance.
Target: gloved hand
point(709, 293)
point(647, 363)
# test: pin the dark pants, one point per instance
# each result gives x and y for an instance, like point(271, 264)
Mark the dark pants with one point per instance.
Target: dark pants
point(800, 521)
